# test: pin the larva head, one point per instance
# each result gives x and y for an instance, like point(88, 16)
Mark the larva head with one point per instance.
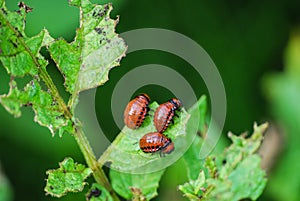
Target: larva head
point(144, 97)
point(176, 102)
point(168, 148)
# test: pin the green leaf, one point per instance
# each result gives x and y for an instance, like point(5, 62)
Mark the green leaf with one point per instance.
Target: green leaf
point(233, 175)
point(194, 188)
point(124, 153)
point(98, 193)
point(192, 156)
point(18, 53)
point(47, 112)
point(85, 63)
point(136, 186)
point(69, 177)
point(248, 180)
point(282, 91)
point(127, 161)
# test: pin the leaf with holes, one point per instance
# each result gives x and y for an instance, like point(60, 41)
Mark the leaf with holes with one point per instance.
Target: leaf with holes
point(69, 177)
point(85, 63)
point(234, 175)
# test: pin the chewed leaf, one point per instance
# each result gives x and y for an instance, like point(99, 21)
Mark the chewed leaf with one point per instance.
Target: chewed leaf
point(193, 189)
point(85, 63)
point(248, 180)
point(69, 177)
point(131, 186)
point(125, 155)
point(47, 112)
point(234, 175)
point(18, 53)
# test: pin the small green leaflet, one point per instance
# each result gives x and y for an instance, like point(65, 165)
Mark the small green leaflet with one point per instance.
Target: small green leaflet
point(234, 175)
point(47, 112)
point(69, 177)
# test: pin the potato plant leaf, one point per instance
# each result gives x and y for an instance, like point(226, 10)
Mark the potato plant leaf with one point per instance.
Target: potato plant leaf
point(47, 112)
point(69, 177)
point(125, 150)
point(234, 175)
point(86, 61)
point(128, 163)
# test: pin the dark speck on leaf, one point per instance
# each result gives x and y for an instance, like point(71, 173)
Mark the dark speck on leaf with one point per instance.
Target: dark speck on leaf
point(51, 187)
point(106, 7)
point(224, 161)
point(25, 7)
point(104, 33)
point(98, 30)
point(108, 163)
point(27, 104)
point(94, 193)
point(98, 13)
point(3, 11)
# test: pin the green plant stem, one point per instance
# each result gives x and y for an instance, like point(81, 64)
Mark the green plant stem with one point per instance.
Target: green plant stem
point(90, 158)
point(79, 135)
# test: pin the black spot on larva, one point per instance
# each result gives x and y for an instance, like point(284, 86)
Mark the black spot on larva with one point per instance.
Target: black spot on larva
point(108, 40)
point(104, 33)
point(51, 187)
point(224, 161)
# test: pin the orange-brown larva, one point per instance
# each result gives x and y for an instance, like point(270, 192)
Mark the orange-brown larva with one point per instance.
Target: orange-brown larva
point(154, 142)
point(136, 111)
point(164, 114)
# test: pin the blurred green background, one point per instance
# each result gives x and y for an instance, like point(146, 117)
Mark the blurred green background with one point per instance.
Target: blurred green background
point(254, 44)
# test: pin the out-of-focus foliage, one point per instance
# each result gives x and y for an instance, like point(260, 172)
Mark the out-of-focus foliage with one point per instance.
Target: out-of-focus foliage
point(5, 188)
point(234, 175)
point(283, 93)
